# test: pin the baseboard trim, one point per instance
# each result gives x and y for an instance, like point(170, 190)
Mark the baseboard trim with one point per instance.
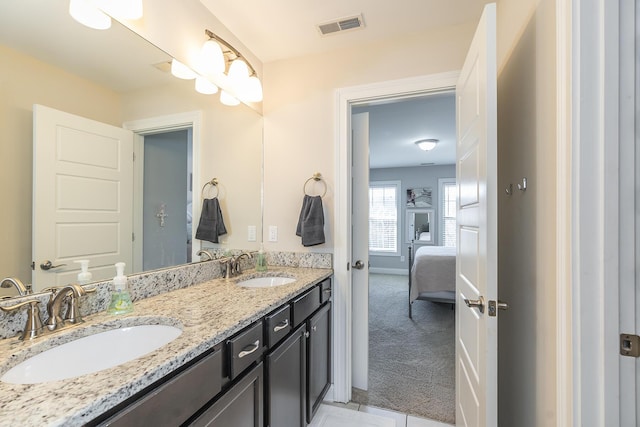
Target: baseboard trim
point(396, 271)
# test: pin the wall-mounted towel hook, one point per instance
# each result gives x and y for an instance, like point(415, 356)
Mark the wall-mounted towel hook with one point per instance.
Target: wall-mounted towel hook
point(523, 186)
point(318, 178)
point(509, 190)
point(213, 183)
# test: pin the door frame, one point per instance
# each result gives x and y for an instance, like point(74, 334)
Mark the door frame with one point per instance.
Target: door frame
point(342, 315)
point(159, 124)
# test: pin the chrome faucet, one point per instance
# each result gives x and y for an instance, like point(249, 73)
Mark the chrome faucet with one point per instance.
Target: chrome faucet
point(23, 290)
point(232, 266)
point(207, 255)
point(58, 296)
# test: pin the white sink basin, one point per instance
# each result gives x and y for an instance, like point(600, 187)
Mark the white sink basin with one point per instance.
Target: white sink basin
point(265, 282)
point(90, 354)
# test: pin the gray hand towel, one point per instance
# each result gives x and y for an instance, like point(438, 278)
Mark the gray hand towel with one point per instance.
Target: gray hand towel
point(311, 222)
point(211, 224)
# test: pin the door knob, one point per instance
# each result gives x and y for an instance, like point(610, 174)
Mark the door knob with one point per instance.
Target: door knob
point(359, 265)
point(477, 303)
point(48, 265)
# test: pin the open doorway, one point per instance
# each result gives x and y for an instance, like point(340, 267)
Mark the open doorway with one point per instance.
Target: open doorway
point(411, 360)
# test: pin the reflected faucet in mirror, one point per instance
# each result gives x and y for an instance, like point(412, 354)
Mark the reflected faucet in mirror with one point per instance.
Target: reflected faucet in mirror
point(205, 255)
point(23, 290)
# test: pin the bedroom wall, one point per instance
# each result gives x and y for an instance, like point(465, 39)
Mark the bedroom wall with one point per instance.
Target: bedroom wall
point(526, 220)
point(413, 177)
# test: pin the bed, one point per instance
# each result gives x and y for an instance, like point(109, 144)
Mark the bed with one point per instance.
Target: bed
point(432, 274)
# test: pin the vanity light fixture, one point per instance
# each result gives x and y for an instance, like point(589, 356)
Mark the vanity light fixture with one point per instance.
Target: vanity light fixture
point(205, 86)
point(242, 77)
point(97, 14)
point(88, 14)
point(181, 71)
point(227, 99)
point(427, 144)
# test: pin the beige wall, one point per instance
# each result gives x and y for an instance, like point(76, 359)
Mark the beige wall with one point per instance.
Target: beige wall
point(299, 111)
point(24, 82)
point(526, 220)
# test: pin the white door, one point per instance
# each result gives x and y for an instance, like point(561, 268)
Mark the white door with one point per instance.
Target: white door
point(476, 266)
point(360, 251)
point(83, 197)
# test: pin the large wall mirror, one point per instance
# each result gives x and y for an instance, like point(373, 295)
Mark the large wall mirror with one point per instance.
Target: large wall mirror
point(115, 77)
point(420, 226)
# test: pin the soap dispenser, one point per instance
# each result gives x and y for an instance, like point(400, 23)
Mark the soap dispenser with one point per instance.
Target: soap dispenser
point(261, 260)
point(84, 276)
point(120, 298)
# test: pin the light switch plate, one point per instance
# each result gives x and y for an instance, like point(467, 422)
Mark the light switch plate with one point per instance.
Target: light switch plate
point(273, 233)
point(251, 233)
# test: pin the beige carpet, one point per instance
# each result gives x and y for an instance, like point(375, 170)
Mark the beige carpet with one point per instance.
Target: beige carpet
point(411, 361)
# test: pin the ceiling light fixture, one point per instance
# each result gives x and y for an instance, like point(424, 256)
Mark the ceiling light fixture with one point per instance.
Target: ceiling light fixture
point(88, 14)
point(427, 144)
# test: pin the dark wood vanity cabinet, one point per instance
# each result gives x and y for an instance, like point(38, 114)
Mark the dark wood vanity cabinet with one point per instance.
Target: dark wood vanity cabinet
point(299, 369)
point(273, 373)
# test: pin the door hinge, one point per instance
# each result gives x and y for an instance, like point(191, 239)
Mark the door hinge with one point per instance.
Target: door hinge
point(630, 345)
point(133, 237)
point(33, 265)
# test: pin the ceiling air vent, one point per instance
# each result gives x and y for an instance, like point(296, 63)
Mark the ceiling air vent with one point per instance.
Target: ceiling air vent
point(343, 24)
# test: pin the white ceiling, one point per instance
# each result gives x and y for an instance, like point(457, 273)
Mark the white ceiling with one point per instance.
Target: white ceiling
point(280, 29)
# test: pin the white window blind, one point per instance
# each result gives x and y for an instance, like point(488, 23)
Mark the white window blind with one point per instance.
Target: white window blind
point(383, 217)
point(449, 199)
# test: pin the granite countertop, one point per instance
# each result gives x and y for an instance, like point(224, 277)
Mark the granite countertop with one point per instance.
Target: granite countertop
point(207, 313)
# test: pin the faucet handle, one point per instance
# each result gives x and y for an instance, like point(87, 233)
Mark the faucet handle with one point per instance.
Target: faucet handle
point(33, 328)
point(73, 310)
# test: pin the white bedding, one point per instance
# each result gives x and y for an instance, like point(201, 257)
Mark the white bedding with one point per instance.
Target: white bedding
point(433, 270)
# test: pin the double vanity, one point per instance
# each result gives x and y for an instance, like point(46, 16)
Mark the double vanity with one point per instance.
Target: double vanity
point(247, 351)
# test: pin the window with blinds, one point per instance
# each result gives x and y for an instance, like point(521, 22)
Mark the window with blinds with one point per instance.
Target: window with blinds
point(383, 217)
point(448, 202)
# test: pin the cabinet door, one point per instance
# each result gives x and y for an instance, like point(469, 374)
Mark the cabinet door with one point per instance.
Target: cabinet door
point(240, 406)
point(319, 359)
point(285, 390)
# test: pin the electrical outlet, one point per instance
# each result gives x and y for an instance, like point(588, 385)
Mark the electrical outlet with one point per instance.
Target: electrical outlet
point(273, 233)
point(251, 233)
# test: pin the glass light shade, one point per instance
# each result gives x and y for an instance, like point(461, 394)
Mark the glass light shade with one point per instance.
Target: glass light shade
point(125, 9)
point(205, 87)
point(253, 90)
point(238, 70)
point(427, 144)
point(86, 13)
point(181, 71)
point(211, 58)
point(227, 99)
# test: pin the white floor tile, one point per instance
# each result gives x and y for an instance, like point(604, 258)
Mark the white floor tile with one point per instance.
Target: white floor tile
point(333, 416)
point(423, 422)
point(401, 419)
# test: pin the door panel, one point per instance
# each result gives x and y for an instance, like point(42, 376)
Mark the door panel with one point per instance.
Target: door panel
point(360, 251)
point(82, 186)
point(476, 269)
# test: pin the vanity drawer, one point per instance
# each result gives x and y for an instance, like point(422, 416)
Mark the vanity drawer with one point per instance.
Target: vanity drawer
point(244, 349)
point(303, 306)
point(174, 401)
point(277, 325)
point(325, 291)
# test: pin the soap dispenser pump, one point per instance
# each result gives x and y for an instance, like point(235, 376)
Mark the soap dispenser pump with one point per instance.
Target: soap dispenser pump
point(120, 298)
point(84, 276)
point(261, 260)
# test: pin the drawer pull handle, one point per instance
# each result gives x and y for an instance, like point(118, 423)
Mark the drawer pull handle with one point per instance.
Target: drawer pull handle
point(249, 349)
point(280, 326)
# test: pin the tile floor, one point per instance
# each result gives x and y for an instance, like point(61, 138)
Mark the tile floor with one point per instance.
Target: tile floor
point(353, 414)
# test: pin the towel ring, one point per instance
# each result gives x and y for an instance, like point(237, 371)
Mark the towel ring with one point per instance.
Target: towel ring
point(316, 177)
point(214, 184)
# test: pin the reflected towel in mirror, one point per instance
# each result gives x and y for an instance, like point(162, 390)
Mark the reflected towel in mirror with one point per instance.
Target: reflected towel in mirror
point(211, 224)
point(311, 221)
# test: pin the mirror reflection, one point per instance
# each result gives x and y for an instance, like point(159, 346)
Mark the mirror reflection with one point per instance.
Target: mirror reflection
point(116, 79)
point(420, 226)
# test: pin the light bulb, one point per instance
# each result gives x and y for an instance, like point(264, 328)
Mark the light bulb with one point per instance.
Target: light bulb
point(205, 87)
point(86, 13)
point(181, 71)
point(253, 90)
point(227, 99)
point(211, 58)
point(238, 70)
